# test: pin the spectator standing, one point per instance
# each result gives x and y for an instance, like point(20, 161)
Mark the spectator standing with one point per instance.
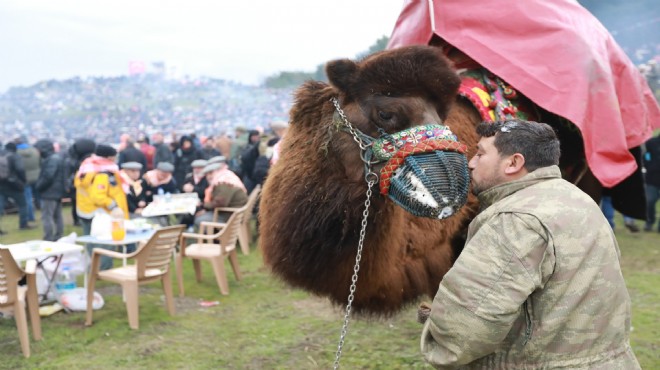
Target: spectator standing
point(12, 183)
point(195, 182)
point(249, 156)
point(148, 150)
point(183, 158)
point(209, 150)
point(652, 180)
point(32, 164)
point(77, 153)
point(163, 152)
point(132, 154)
point(51, 185)
point(99, 189)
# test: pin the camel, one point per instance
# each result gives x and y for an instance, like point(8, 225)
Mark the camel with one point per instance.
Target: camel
point(312, 202)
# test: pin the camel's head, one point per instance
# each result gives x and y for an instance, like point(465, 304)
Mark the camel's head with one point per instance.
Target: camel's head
point(397, 101)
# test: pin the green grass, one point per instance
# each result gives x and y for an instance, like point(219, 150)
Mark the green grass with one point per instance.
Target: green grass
point(263, 324)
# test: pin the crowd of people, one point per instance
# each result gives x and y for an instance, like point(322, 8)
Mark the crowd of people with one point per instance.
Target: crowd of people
point(97, 177)
point(105, 108)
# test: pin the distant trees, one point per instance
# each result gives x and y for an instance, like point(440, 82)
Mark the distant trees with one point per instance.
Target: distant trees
point(287, 79)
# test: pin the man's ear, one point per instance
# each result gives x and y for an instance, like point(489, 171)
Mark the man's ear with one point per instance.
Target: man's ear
point(515, 164)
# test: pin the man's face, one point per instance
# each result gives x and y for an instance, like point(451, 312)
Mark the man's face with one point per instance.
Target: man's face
point(486, 167)
point(133, 174)
point(186, 144)
point(157, 138)
point(209, 144)
point(197, 170)
point(161, 175)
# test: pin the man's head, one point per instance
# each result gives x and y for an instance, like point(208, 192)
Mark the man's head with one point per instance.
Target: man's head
point(209, 143)
point(164, 170)
point(132, 169)
point(157, 138)
point(106, 151)
point(508, 150)
point(198, 166)
point(210, 170)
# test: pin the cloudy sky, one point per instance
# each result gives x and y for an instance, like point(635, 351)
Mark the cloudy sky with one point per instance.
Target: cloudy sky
point(241, 40)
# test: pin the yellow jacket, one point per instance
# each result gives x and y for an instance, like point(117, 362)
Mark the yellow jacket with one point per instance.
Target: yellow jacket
point(99, 190)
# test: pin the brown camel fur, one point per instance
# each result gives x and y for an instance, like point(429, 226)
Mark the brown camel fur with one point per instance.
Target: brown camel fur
point(312, 202)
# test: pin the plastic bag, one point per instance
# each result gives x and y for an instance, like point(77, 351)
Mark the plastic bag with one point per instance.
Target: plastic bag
point(76, 300)
point(102, 226)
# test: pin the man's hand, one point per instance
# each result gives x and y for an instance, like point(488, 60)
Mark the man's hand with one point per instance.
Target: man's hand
point(188, 188)
point(423, 312)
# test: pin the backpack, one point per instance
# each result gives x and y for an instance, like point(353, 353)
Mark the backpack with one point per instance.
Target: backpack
point(5, 166)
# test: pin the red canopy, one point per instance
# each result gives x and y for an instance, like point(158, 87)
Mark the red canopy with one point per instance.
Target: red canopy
point(558, 55)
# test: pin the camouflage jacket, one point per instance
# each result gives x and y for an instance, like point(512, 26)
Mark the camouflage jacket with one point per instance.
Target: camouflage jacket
point(537, 286)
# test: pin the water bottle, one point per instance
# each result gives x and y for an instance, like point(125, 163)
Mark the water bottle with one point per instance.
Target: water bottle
point(65, 281)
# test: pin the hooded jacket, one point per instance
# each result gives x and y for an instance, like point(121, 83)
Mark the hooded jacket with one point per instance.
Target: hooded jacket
point(52, 177)
point(538, 285)
point(183, 159)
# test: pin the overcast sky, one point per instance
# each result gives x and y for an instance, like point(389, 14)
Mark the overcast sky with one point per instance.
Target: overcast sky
point(241, 40)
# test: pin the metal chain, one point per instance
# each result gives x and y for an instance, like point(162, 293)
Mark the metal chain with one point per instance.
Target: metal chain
point(371, 179)
point(357, 136)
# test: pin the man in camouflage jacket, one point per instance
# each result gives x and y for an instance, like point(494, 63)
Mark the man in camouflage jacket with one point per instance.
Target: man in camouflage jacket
point(538, 284)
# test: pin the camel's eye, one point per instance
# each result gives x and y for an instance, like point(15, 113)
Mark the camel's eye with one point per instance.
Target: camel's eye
point(386, 116)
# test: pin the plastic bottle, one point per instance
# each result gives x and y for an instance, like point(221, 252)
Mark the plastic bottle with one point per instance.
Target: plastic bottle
point(65, 281)
point(118, 229)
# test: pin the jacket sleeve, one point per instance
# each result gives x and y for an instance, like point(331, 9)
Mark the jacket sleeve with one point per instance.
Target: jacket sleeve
point(98, 191)
point(481, 296)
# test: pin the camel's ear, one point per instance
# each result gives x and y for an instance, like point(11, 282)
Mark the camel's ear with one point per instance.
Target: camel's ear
point(341, 73)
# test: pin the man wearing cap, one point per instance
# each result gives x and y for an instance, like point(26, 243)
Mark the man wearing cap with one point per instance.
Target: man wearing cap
point(195, 182)
point(133, 187)
point(160, 181)
point(225, 190)
point(99, 188)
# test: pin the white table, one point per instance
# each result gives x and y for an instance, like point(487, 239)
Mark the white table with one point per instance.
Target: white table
point(174, 204)
point(130, 238)
point(41, 251)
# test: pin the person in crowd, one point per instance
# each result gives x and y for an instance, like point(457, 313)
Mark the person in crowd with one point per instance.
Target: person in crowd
point(183, 158)
point(225, 189)
point(651, 162)
point(77, 153)
point(32, 165)
point(99, 188)
point(538, 283)
point(132, 154)
point(195, 182)
point(279, 129)
point(608, 211)
point(12, 184)
point(160, 181)
point(163, 151)
point(51, 186)
point(134, 188)
point(148, 150)
point(223, 143)
point(209, 151)
point(248, 158)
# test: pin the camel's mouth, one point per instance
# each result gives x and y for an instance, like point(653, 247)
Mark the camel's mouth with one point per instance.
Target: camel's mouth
point(426, 170)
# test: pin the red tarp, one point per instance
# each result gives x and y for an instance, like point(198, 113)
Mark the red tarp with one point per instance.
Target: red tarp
point(558, 55)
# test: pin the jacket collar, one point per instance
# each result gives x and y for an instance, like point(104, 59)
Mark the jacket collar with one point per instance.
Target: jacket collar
point(499, 192)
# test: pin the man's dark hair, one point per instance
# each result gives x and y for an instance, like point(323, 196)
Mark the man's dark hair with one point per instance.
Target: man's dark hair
point(536, 141)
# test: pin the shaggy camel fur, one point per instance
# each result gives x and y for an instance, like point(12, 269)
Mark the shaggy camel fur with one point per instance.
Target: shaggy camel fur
point(312, 202)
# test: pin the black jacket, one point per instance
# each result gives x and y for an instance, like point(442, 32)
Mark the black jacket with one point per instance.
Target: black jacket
point(133, 154)
point(163, 154)
point(16, 180)
point(652, 161)
point(183, 160)
point(51, 183)
point(134, 199)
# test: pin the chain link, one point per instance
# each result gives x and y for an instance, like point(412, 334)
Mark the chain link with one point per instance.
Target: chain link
point(353, 131)
point(371, 180)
